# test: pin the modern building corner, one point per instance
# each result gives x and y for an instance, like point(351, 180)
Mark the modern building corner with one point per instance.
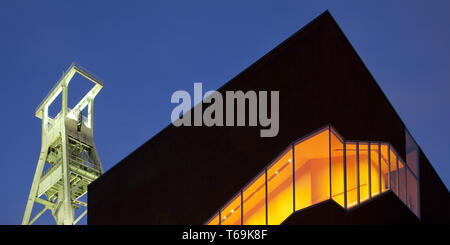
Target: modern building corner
point(342, 155)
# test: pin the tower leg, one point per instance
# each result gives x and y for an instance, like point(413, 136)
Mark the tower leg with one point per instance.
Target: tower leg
point(66, 206)
point(34, 187)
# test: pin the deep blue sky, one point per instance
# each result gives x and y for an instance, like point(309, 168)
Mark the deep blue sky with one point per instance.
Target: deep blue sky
point(144, 51)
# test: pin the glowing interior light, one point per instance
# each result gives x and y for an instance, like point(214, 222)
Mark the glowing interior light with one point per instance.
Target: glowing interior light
point(319, 175)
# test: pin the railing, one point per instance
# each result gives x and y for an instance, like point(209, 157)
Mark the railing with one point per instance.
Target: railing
point(317, 168)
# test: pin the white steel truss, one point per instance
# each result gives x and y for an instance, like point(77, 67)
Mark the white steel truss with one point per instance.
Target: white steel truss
point(68, 154)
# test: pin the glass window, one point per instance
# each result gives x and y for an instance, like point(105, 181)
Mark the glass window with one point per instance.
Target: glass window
point(401, 181)
point(231, 214)
point(412, 154)
point(412, 192)
point(214, 220)
point(312, 170)
point(384, 167)
point(393, 170)
point(352, 176)
point(321, 165)
point(255, 202)
point(280, 196)
point(412, 174)
point(363, 171)
point(374, 170)
point(412, 159)
point(337, 169)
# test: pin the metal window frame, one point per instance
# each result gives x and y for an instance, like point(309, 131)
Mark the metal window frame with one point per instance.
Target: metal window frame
point(342, 141)
point(242, 207)
point(293, 177)
point(406, 183)
point(345, 174)
point(267, 208)
point(369, 165)
point(380, 190)
point(329, 160)
point(358, 184)
point(398, 177)
point(389, 164)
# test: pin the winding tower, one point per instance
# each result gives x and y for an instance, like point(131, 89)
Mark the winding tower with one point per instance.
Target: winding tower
point(68, 160)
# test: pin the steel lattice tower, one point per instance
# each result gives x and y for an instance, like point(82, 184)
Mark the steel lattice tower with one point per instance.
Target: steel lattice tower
point(68, 153)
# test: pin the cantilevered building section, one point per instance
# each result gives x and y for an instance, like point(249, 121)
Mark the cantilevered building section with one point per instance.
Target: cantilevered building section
point(320, 167)
point(342, 154)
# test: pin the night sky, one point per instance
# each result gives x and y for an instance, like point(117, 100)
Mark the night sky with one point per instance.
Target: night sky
point(143, 51)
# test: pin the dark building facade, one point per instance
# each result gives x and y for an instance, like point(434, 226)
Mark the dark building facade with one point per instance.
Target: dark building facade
point(185, 175)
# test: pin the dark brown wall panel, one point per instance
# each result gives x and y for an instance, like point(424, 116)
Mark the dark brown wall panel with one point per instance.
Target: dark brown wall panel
point(435, 198)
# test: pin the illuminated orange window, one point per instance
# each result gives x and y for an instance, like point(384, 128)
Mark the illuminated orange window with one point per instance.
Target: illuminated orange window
point(337, 169)
point(320, 167)
point(363, 171)
point(280, 194)
point(352, 176)
point(214, 220)
point(312, 171)
point(374, 170)
point(384, 167)
point(231, 214)
point(393, 170)
point(401, 180)
point(255, 202)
